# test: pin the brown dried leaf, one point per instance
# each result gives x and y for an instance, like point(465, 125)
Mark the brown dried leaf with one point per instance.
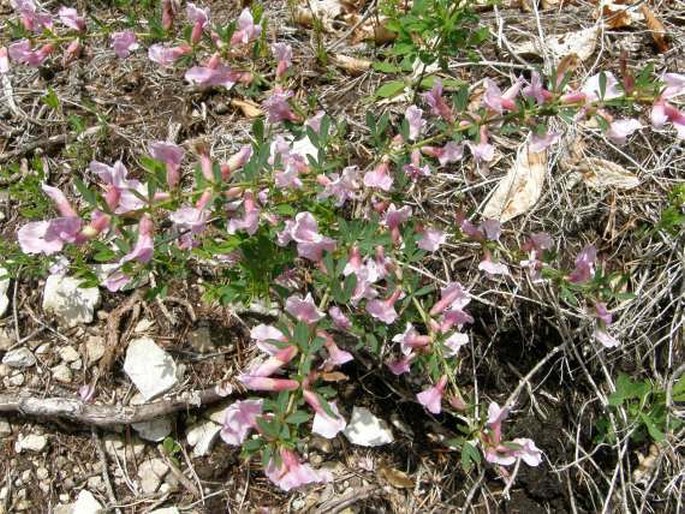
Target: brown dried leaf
point(521, 187)
point(599, 173)
point(334, 376)
point(373, 29)
point(615, 18)
point(395, 477)
point(657, 28)
point(249, 109)
point(352, 65)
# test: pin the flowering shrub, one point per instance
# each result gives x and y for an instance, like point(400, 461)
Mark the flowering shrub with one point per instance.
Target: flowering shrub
point(282, 203)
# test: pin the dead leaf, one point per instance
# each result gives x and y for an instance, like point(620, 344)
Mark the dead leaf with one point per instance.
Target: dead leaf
point(352, 65)
point(599, 174)
point(250, 109)
point(395, 477)
point(325, 11)
point(520, 189)
point(656, 27)
point(334, 376)
point(373, 29)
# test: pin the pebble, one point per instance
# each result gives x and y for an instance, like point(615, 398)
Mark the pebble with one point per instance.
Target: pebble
point(5, 428)
point(17, 379)
point(155, 430)
point(43, 349)
point(31, 442)
point(76, 365)
point(71, 304)
point(42, 473)
point(5, 370)
point(87, 504)
point(202, 436)
point(365, 429)
point(165, 510)
point(4, 286)
point(95, 349)
point(62, 373)
point(6, 340)
point(151, 472)
point(19, 358)
point(68, 354)
point(149, 367)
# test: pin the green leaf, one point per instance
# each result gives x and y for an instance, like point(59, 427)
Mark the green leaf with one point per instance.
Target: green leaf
point(470, 456)
point(390, 89)
point(654, 432)
point(386, 67)
point(89, 196)
point(298, 417)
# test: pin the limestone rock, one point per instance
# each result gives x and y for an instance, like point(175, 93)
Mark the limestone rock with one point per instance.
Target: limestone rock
point(202, 436)
point(69, 303)
point(30, 442)
point(365, 429)
point(155, 430)
point(151, 472)
point(150, 368)
point(19, 358)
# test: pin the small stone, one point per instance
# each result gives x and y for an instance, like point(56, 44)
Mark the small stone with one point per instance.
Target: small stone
point(5, 428)
point(315, 459)
point(31, 442)
point(68, 354)
point(19, 358)
point(63, 509)
point(143, 325)
point(202, 436)
point(71, 304)
point(151, 472)
point(365, 429)
point(4, 286)
point(95, 483)
point(221, 108)
point(5, 370)
point(17, 379)
point(87, 504)
point(150, 368)
point(6, 340)
point(62, 373)
point(42, 473)
point(43, 349)
point(76, 365)
point(95, 349)
point(155, 430)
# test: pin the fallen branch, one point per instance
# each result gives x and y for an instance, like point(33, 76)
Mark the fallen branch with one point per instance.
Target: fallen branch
point(76, 410)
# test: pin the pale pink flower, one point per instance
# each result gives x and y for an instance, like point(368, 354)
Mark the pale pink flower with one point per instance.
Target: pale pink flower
point(384, 310)
point(410, 340)
point(496, 415)
point(401, 365)
point(496, 100)
point(262, 334)
point(48, 237)
point(482, 151)
point(304, 310)
point(379, 177)
point(4, 60)
point(240, 417)
point(236, 161)
point(324, 424)
point(527, 451)
point(212, 75)
point(414, 117)
point(70, 17)
point(540, 142)
point(250, 220)
point(619, 130)
point(431, 398)
point(30, 17)
point(124, 193)
point(169, 9)
point(165, 55)
point(493, 268)
point(585, 265)
point(304, 231)
point(21, 52)
point(507, 454)
point(123, 43)
point(199, 18)
point(292, 474)
point(536, 89)
point(663, 112)
point(274, 363)
point(268, 384)
point(431, 239)
point(343, 186)
point(603, 314)
point(172, 156)
point(340, 321)
point(144, 247)
point(451, 152)
point(277, 107)
point(190, 222)
point(675, 85)
point(336, 356)
point(454, 343)
point(437, 103)
point(414, 170)
point(246, 29)
point(592, 87)
point(605, 338)
point(283, 53)
point(393, 218)
point(60, 201)
point(453, 297)
point(72, 52)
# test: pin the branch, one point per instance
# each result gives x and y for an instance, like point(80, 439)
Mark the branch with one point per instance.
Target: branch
point(76, 410)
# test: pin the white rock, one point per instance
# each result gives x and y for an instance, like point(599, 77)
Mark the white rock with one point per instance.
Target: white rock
point(42, 473)
point(166, 510)
point(68, 354)
point(76, 365)
point(365, 429)
point(17, 379)
point(155, 430)
point(95, 348)
point(70, 304)
point(86, 504)
point(19, 358)
point(62, 373)
point(150, 368)
point(151, 473)
point(202, 436)
point(5, 428)
point(4, 286)
point(31, 442)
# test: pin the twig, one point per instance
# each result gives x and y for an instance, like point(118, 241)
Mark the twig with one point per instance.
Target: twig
point(97, 441)
point(76, 410)
point(184, 480)
point(113, 347)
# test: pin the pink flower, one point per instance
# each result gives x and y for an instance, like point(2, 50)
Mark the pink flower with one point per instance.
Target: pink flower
point(123, 43)
point(213, 75)
point(431, 398)
point(246, 29)
point(410, 340)
point(605, 338)
point(30, 17)
point(506, 455)
point(414, 170)
point(69, 17)
point(592, 87)
point(675, 85)
point(340, 321)
point(379, 177)
point(4, 60)
point(437, 103)
point(199, 18)
point(413, 115)
point(250, 221)
point(123, 193)
point(144, 247)
point(304, 231)
point(166, 56)
point(268, 383)
point(273, 363)
point(292, 474)
point(240, 417)
point(482, 151)
point(171, 155)
point(527, 451)
point(585, 265)
point(48, 237)
point(236, 161)
point(343, 186)
point(602, 313)
point(21, 52)
point(453, 297)
point(431, 239)
point(61, 203)
point(496, 100)
point(454, 343)
point(451, 152)
point(393, 218)
point(663, 112)
point(619, 130)
point(303, 310)
point(401, 365)
point(535, 89)
point(262, 334)
point(72, 52)
point(283, 54)
point(540, 142)
point(496, 415)
point(336, 356)
point(324, 425)
point(277, 107)
point(169, 8)
point(384, 310)
point(190, 222)
point(493, 268)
